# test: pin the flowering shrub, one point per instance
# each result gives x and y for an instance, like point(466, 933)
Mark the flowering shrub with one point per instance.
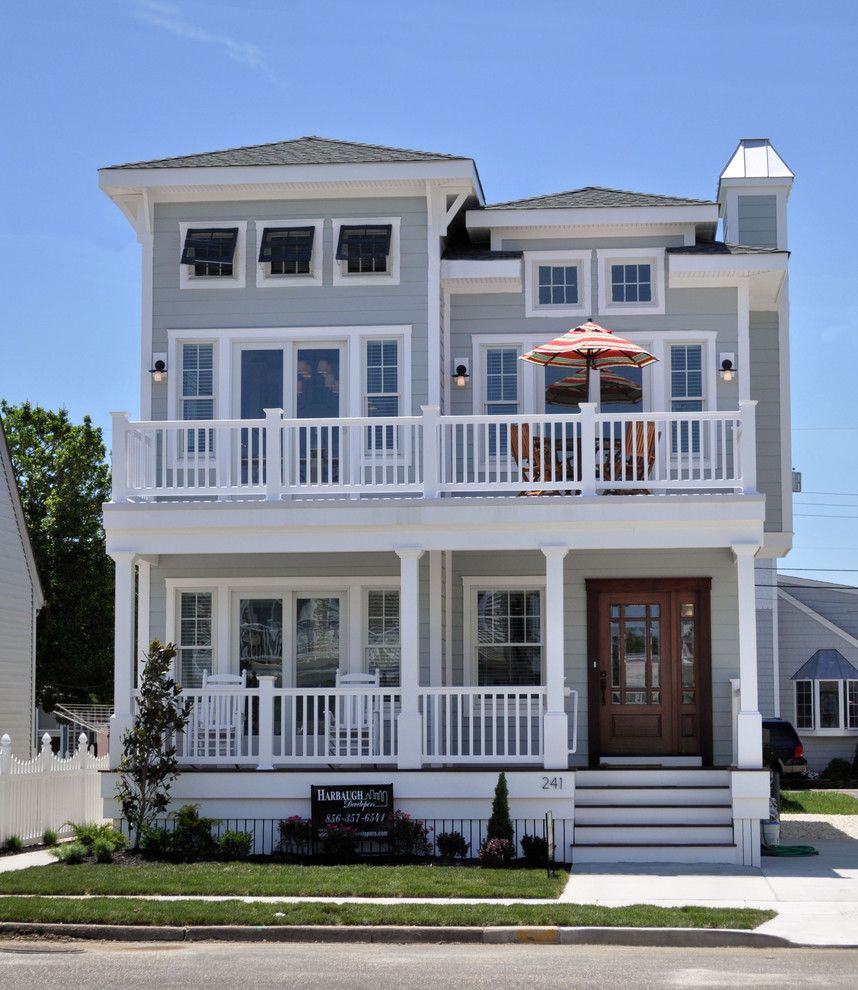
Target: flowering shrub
point(535, 850)
point(339, 841)
point(409, 836)
point(452, 844)
point(296, 835)
point(495, 852)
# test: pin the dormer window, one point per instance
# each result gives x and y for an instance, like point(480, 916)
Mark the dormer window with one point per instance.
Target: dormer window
point(212, 254)
point(364, 249)
point(210, 251)
point(287, 250)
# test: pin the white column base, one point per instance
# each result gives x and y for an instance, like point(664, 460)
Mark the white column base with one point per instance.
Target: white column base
point(120, 723)
point(749, 748)
point(409, 734)
point(556, 746)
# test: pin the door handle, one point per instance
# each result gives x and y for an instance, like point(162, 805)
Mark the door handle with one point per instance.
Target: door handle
point(603, 685)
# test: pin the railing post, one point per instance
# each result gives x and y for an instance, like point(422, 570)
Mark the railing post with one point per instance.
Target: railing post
point(749, 725)
point(5, 754)
point(119, 456)
point(588, 448)
point(748, 445)
point(556, 734)
point(273, 453)
point(431, 451)
point(409, 723)
point(46, 753)
point(265, 759)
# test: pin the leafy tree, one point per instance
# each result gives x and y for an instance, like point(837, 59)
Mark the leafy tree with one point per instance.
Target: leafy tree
point(64, 478)
point(500, 824)
point(148, 765)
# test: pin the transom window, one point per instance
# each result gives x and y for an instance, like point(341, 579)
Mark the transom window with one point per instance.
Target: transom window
point(382, 647)
point(558, 285)
point(288, 250)
point(364, 249)
point(210, 251)
point(509, 637)
point(686, 394)
point(195, 637)
point(631, 283)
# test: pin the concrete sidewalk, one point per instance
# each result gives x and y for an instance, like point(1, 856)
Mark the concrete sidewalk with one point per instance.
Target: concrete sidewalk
point(816, 897)
point(20, 861)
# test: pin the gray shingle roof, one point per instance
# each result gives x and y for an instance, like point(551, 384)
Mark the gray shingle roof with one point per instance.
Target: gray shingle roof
point(299, 151)
point(719, 247)
point(596, 196)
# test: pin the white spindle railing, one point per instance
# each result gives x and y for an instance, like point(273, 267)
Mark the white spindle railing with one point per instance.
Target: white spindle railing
point(48, 791)
point(222, 727)
point(482, 725)
point(586, 453)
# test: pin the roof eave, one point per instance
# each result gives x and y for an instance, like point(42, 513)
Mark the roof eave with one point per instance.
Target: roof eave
point(593, 216)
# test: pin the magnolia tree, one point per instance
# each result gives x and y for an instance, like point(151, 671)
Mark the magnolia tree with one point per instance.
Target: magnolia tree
point(148, 765)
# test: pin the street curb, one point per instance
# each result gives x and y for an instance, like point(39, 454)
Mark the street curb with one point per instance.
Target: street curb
point(403, 935)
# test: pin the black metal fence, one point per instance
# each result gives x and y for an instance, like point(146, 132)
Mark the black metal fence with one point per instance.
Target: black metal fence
point(267, 840)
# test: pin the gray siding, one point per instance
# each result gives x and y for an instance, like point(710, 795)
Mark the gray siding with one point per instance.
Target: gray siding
point(765, 388)
point(839, 607)
point(758, 220)
point(299, 306)
point(800, 636)
point(17, 650)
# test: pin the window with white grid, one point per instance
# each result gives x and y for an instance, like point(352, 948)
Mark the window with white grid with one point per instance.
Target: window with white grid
point(382, 389)
point(686, 394)
point(197, 398)
point(509, 637)
point(382, 648)
point(501, 392)
point(195, 637)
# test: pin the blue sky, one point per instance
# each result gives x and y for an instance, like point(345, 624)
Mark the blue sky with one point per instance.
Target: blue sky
point(544, 95)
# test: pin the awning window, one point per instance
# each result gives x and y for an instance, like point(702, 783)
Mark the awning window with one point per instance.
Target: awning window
point(287, 244)
point(364, 248)
point(213, 246)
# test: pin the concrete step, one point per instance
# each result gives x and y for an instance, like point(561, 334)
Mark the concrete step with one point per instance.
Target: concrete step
point(652, 777)
point(666, 833)
point(651, 795)
point(653, 814)
point(651, 761)
point(654, 854)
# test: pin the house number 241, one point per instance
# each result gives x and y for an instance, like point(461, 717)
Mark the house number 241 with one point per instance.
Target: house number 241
point(552, 783)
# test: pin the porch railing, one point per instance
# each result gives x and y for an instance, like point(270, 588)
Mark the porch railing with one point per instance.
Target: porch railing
point(430, 455)
point(269, 726)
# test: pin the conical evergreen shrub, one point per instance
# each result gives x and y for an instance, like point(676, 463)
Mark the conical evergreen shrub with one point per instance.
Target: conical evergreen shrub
point(500, 824)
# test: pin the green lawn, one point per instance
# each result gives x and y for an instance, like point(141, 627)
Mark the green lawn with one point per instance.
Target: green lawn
point(181, 913)
point(276, 879)
point(818, 803)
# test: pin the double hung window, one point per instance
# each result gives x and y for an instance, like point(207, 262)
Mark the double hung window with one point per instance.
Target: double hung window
point(508, 643)
point(197, 399)
point(501, 393)
point(686, 395)
point(382, 647)
point(382, 390)
point(195, 637)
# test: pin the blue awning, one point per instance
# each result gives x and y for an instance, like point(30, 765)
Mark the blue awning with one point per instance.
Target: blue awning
point(826, 665)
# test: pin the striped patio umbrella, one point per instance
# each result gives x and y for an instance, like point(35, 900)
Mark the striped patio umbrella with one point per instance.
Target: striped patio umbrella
point(571, 390)
point(590, 346)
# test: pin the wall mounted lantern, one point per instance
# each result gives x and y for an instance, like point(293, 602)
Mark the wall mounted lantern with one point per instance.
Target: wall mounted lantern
point(461, 375)
point(159, 370)
point(728, 368)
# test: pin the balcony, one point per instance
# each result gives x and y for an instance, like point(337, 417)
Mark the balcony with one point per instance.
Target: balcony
point(432, 456)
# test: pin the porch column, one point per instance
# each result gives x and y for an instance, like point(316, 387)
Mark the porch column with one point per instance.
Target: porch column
point(123, 651)
point(749, 723)
point(144, 584)
point(556, 727)
point(409, 723)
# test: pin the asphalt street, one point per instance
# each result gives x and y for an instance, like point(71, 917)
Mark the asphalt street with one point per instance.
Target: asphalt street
point(212, 966)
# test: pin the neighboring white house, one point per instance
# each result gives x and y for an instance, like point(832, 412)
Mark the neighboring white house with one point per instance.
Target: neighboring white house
point(320, 504)
point(20, 601)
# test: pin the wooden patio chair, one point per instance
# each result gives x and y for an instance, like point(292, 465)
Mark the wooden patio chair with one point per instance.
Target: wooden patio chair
point(218, 720)
point(637, 459)
point(352, 725)
point(535, 458)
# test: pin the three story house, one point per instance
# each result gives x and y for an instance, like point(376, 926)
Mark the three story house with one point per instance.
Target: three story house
point(389, 550)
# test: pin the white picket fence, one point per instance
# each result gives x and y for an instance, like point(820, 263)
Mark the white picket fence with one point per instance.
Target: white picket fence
point(49, 790)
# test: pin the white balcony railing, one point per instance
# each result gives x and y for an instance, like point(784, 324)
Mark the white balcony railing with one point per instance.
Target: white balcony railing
point(430, 455)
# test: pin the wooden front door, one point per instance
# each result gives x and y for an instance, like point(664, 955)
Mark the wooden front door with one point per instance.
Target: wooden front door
point(649, 681)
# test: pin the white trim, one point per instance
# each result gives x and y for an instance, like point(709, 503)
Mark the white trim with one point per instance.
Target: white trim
point(264, 278)
point(228, 340)
point(470, 586)
point(594, 216)
point(579, 259)
point(390, 277)
point(147, 245)
point(647, 256)
point(237, 280)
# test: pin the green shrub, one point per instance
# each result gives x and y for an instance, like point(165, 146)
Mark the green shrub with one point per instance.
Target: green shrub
point(192, 834)
point(452, 844)
point(102, 849)
point(296, 834)
point(500, 824)
point(838, 769)
point(50, 837)
point(535, 850)
point(73, 853)
point(235, 845)
point(495, 853)
point(154, 842)
point(409, 836)
point(88, 833)
point(14, 844)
